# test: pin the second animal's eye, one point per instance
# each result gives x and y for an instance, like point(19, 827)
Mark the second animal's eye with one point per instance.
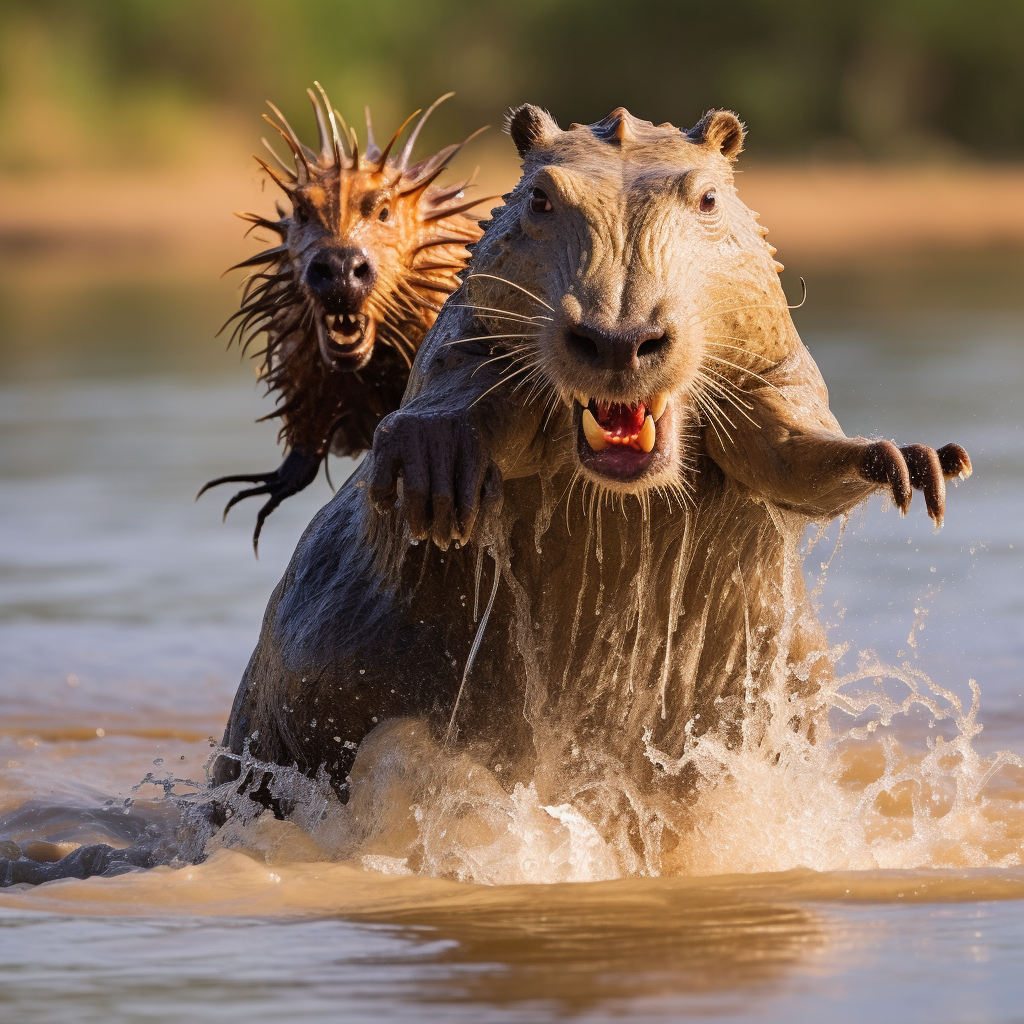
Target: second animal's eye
point(708, 201)
point(539, 202)
point(384, 213)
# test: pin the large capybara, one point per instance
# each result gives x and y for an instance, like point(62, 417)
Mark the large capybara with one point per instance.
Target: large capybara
point(572, 552)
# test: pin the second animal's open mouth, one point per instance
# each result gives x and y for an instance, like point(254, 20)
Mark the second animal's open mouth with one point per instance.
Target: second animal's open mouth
point(346, 339)
point(622, 442)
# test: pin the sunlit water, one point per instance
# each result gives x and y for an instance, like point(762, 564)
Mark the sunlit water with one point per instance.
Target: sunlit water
point(880, 874)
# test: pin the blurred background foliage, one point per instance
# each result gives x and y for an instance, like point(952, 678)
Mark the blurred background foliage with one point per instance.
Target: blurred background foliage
point(143, 83)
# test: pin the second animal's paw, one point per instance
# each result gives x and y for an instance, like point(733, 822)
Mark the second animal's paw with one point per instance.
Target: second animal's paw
point(296, 472)
point(451, 486)
point(916, 466)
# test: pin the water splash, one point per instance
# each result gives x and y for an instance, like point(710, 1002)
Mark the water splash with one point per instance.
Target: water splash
point(864, 797)
point(829, 771)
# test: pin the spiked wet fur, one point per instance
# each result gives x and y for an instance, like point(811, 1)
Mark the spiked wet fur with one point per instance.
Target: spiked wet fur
point(338, 361)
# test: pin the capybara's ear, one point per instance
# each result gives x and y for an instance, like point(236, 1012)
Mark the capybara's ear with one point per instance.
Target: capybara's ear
point(529, 125)
point(721, 130)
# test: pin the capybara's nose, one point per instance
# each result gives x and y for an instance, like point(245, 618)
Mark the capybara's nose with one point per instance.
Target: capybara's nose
point(341, 279)
point(617, 348)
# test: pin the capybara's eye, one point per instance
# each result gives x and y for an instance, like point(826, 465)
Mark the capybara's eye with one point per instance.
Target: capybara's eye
point(300, 216)
point(708, 201)
point(384, 213)
point(539, 202)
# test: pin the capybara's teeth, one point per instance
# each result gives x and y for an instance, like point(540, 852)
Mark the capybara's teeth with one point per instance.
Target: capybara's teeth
point(648, 434)
point(658, 405)
point(331, 320)
point(594, 434)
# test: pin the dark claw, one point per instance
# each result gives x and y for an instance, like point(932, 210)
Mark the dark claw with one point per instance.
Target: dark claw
point(239, 478)
point(926, 476)
point(916, 466)
point(955, 461)
point(450, 488)
point(252, 492)
point(296, 472)
point(884, 464)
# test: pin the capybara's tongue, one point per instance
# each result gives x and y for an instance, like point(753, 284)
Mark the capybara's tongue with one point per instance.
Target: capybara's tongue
point(620, 419)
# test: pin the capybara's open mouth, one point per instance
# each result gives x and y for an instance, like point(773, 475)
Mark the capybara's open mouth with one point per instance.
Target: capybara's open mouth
point(346, 339)
point(622, 442)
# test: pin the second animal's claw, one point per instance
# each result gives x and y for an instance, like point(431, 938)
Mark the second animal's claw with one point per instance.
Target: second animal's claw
point(916, 466)
point(297, 471)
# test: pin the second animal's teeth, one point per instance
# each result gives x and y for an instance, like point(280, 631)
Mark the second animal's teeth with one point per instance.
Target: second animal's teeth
point(648, 434)
point(581, 398)
point(594, 434)
point(658, 404)
point(331, 320)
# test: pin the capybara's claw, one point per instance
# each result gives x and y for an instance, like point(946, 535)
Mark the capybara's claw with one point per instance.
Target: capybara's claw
point(451, 488)
point(926, 476)
point(916, 466)
point(955, 462)
point(883, 463)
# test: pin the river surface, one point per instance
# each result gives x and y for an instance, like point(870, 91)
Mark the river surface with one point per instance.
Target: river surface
point(127, 613)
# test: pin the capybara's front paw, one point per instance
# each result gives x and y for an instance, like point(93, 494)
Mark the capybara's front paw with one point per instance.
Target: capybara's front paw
point(451, 486)
point(916, 466)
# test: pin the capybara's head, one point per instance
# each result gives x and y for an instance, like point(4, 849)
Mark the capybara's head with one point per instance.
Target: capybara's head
point(647, 273)
point(371, 247)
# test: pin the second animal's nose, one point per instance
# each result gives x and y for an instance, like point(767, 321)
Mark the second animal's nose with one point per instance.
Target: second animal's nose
point(341, 278)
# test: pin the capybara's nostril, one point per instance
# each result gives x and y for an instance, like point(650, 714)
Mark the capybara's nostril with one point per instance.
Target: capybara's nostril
point(652, 346)
point(616, 348)
point(583, 348)
point(361, 270)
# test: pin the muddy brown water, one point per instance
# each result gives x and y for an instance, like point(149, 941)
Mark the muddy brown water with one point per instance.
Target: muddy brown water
point(884, 879)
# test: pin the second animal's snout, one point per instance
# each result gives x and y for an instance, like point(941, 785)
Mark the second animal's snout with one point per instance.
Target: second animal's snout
point(341, 279)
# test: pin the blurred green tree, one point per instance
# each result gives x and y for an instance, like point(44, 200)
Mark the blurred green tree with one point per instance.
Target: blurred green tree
point(101, 81)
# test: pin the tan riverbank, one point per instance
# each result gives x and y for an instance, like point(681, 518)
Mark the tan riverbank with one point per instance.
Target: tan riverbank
point(179, 224)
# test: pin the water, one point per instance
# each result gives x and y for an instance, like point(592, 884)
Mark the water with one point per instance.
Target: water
point(128, 613)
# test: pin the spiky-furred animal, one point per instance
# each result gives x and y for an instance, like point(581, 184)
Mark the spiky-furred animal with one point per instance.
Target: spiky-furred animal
point(368, 254)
